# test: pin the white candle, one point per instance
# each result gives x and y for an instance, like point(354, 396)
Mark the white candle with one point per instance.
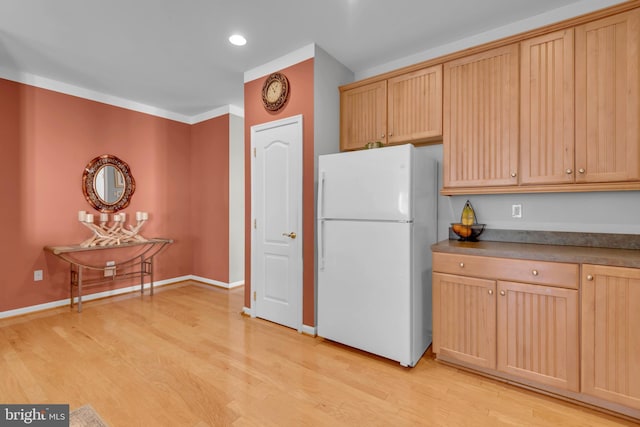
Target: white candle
point(89, 218)
point(138, 216)
point(123, 217)
point(82, 215)
point(116, 217)
point(145, 215)
point(104, 217)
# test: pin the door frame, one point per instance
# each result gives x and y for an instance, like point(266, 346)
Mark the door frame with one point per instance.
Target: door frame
point(300, 237)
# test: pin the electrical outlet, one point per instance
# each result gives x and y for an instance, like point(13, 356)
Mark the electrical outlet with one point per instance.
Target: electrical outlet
point(110, 269)
point(37, 275)
point(516, 211)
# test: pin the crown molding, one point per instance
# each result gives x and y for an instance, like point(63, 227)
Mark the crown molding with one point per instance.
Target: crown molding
point(292, 58)
point(217, 112)
point(84, 93)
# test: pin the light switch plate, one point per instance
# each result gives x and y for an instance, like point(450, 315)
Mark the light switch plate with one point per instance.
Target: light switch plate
point(110, 269)
point(37, 275)
point(516, 211)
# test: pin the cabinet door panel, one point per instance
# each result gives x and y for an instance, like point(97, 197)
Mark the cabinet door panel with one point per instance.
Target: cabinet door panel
point(481, 119)
point(546, 109)
point(611, 334)
point(608, 98)
point(415, 106)
point(363, 115)
point(464, 319)
point(538, 333)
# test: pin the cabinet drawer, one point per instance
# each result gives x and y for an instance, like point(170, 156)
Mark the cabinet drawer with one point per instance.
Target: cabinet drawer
point(516, 270)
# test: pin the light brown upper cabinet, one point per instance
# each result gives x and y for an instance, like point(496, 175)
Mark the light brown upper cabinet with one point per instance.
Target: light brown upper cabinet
point(401, 109)
point(607, 99)
point(414, 106)
point(363, 115)
point(480, 132)
point(547, 109)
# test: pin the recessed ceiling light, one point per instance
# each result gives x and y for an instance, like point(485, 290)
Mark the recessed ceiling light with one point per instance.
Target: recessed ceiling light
point(237, 40)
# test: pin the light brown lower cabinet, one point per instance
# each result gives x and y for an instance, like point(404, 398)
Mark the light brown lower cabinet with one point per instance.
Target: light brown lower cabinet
point(565, 328)
point(526, 330)
point(464, 319)
point(538, 334)
point(611, 334)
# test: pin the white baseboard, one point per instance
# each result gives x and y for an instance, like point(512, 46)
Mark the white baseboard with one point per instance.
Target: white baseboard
point(113, 292)
point(88, 297)
point(309, 330)
point(216, 282)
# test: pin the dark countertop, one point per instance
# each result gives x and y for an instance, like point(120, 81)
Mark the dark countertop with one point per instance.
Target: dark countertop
point(543, 252)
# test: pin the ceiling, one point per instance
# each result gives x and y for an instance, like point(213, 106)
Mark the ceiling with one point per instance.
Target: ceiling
point(174, 55)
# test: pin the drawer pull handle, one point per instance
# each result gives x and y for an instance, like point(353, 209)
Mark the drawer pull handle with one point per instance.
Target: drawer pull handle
point(462, 265)
point(534, 272)
point(589, 277)
point(581, 170)
point(490, 291)
point(513, 174)
point(502, 293)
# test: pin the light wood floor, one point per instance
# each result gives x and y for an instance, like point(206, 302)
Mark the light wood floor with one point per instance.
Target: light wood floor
point(187, 357)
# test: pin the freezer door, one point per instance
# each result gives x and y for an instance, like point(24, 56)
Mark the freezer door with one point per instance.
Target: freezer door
point(364, 287)
point(367, 184)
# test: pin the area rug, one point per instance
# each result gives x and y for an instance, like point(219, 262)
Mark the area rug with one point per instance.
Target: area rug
point(85, 416)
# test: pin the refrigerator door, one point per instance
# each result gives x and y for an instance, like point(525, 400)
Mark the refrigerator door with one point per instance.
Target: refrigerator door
point(364, 287)
point(368, 184)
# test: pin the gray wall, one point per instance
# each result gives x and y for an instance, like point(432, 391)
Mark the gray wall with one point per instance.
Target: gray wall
point(236, 198)
point(328, 74)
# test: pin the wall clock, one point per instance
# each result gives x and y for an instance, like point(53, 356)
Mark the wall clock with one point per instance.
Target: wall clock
point(275, 92)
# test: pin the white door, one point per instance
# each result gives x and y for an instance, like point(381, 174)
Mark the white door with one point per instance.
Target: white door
point(276, 239)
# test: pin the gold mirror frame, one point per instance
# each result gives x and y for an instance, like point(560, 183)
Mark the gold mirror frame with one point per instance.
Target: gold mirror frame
point(89, 184)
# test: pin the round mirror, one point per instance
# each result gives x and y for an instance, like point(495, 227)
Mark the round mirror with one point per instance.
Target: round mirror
point(107, 183)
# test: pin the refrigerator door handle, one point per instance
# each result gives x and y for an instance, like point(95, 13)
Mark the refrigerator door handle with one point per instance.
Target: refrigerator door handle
point(321, 195)
point(321, 245)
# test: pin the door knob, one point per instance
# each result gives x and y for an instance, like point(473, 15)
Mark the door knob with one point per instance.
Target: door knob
point(291, 235)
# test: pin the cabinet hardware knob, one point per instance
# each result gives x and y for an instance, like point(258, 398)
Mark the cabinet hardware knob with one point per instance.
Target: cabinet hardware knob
point(390, 133)
point(490, 291)
point(534, 272)
point(382, 136)
point(589, 277)
point(502, 293)
point(581, 170)
point(462, 265)
point(569, 171)
point(513, 174)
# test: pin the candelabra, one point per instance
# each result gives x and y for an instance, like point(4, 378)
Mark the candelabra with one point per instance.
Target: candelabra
point(105, 234)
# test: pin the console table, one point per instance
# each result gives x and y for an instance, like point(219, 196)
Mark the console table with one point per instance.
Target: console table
point(137, 265)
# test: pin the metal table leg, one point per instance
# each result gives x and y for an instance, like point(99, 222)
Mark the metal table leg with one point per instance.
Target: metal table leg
point(79, 288)
point(142, 274)
point(151, 274)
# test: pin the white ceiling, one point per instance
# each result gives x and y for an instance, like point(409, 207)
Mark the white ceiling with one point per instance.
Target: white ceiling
point(174, 55)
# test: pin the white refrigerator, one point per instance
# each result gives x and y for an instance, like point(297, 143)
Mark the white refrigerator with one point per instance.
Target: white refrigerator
point(376, 223)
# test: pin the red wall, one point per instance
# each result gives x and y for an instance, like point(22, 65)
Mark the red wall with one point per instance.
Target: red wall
point(47, 139)
point(300, 78)
point(210, 198)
